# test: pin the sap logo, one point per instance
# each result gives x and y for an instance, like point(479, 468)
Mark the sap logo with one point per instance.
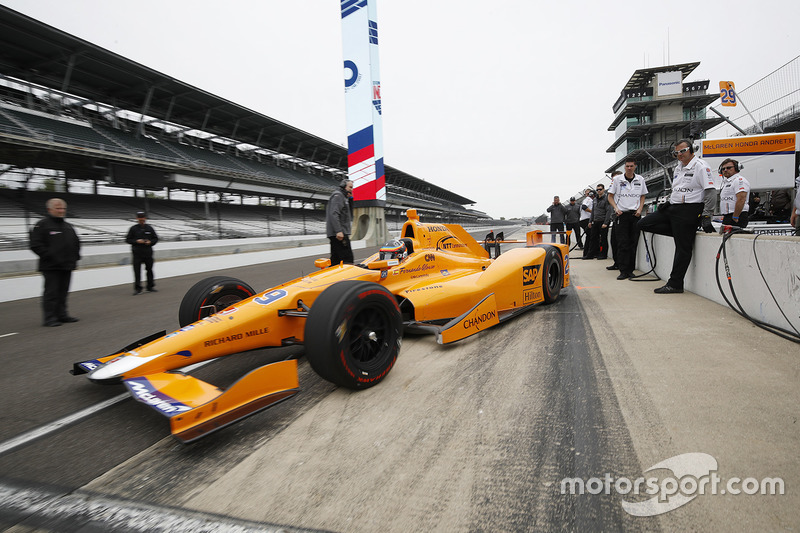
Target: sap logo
point(269, 297)
point(430, 257)
point(529, 274)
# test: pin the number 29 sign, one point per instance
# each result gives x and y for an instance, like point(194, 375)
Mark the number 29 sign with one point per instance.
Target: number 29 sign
point(727, 93)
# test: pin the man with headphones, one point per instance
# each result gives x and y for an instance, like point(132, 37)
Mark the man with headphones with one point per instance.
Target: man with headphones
point(693, 195)
point(734, 195)
point(338, 223)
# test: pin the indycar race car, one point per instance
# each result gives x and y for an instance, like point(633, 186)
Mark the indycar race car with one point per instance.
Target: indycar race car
point(350, 318)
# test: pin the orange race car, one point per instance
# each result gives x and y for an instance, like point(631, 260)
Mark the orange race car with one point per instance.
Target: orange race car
point(435, 278)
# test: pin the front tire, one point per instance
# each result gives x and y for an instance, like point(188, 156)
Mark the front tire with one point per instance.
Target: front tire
point(212, 295)
point(353, 334)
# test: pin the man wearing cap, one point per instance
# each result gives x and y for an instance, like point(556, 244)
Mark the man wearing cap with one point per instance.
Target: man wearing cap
point(573, 221)
point(142, 237)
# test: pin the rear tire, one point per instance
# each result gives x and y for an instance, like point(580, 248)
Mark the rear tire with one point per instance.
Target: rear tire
point(553, 278)
point(212, 295)
point(353, 334)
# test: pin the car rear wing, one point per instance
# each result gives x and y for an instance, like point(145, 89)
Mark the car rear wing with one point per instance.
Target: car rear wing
point(491, 243)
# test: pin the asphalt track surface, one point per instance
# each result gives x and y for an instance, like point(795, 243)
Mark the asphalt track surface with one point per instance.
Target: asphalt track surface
point(474, 436)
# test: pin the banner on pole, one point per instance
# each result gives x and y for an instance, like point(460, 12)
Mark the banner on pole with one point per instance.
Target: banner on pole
point(362, 87)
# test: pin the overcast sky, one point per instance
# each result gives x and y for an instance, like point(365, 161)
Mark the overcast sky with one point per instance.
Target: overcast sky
point(505, 102)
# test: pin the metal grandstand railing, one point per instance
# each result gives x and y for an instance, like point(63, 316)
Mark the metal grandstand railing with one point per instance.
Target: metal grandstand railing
point(773, 100)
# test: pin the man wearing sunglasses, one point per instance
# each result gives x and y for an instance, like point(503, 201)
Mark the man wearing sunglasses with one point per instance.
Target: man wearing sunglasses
point(733, 195)
point(693, 195)
point(601, 218)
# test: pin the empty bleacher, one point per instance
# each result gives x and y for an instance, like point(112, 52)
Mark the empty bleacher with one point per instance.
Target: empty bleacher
point(106, 219)
point(142, 145)
point(61, 130)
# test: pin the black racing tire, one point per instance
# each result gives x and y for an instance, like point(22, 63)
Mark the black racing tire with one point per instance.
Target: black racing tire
point(212, 295)
point(553, 275)
point(353, 334)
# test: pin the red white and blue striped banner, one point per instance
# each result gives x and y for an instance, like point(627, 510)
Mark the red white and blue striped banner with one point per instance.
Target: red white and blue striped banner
point(362, 89)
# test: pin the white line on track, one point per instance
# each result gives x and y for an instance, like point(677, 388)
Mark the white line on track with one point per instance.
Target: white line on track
point(8, 334)
point(41, 431)
point(39, 508)
point(58, 424)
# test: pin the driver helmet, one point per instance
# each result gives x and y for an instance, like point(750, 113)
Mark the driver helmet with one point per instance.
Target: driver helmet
point(394, 249)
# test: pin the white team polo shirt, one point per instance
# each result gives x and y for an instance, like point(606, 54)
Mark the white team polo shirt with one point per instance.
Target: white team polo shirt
point(690, 181)
point(587, 202)
point(627, 193)
point(730, 188)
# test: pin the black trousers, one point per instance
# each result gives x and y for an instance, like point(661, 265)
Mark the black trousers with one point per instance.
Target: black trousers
point(54, 298)
point(678, 221)
point(598, 240)
point(341, 251)
point(576, 232)
point(585, 227)
point(143, 258)
point(626, 235)
point(744, 218)
point(558, 226)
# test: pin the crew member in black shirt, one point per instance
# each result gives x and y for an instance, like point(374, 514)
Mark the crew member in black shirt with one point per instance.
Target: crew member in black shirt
point(54, 240)
point(142, 237)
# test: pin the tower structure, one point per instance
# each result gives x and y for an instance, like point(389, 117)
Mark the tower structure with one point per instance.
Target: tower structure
point(656, 108)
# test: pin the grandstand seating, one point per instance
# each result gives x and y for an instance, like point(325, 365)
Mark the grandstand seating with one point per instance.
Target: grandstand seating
point(63, 131)
point(144, 146)
point(106, 219)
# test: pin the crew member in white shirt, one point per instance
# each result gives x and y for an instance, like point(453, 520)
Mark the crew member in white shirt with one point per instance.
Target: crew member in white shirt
point(586, 216)
point(733, 195)
point(626, 197)
point(693, 195)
